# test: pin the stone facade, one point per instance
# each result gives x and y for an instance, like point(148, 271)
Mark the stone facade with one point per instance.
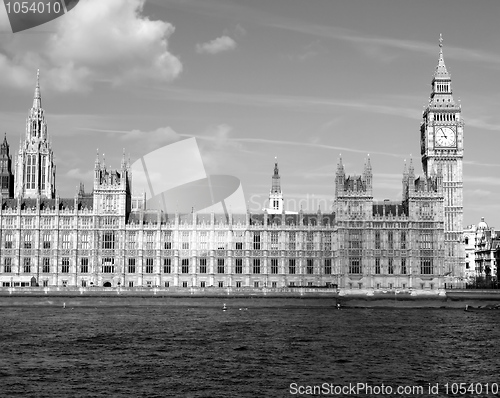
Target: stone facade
point(486, 251)
point(109, 237)
point(389, 244)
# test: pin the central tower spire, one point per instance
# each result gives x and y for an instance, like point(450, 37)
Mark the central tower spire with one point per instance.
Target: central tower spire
point(275, 195)
point(276, 184)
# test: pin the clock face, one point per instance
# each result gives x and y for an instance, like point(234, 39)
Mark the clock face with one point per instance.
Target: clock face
point(445, 137)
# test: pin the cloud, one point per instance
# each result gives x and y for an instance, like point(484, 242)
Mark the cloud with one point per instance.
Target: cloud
point(219, 148)
point(308, 51)
point(152, 139)
point(478, 193)
point(80, 175)
point(486, 181)
point(482, 124)
point(144, 140)
point(480, 164)
point(220, 44)
point(299, 103)
point(240, 30)
point(97, 41)
point(220, 136)
point(312, 145)
point(374, 46)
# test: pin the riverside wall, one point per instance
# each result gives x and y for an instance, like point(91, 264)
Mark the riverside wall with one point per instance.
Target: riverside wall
point(285, 297)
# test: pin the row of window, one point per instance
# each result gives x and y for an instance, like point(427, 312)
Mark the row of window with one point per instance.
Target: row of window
point(221, 268)
point(355, 267)
point(390, 266)
point(426, 266)
point(204, 284)
point(110, 241)
point(391, 286)
point(425, 241)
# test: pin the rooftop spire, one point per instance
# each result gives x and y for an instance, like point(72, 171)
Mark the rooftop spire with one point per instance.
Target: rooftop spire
point(123, 164)
point(340, 165)
point(4, 148)
point(37, 100)
point(276, 186)
point(441, 72)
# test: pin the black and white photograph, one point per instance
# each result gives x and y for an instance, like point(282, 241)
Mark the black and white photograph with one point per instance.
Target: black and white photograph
point(249, 198)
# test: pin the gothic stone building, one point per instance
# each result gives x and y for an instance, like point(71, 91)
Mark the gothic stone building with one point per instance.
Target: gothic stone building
point(109, 237)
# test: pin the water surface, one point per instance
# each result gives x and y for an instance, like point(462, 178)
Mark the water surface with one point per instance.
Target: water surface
point(202, 351)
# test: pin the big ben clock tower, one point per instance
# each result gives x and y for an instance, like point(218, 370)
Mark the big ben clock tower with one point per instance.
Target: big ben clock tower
point(442, 147)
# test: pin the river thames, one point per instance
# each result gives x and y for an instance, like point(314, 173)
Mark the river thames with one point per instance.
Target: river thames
point(199, 350)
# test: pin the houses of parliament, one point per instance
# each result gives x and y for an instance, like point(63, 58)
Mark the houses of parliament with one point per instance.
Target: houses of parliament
point(109, 238)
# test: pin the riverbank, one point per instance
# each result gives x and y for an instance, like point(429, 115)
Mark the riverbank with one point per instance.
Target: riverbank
point(286, 298)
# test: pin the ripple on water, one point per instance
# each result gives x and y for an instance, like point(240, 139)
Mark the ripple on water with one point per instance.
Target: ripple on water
point(204, 352)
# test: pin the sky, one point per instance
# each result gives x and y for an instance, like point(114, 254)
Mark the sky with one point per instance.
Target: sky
point(253, 80)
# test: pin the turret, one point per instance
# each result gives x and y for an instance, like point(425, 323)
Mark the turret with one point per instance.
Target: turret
point(405, 182)
point(112, 188)
point(339, 178)
point(6, 176)
point(368, 176)
point(275, 195)
point(276, 184)
point(411, 177)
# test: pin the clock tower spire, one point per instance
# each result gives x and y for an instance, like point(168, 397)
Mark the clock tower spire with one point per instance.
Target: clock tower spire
point(442, 130)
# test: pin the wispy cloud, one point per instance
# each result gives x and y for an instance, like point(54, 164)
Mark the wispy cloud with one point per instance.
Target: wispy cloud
point(299, 103)
point(480, 164)
point(383, 104)
point(370, 44)
point(482, 124)
point(240, 30)
point(309, 51)
point(220, 136)
point(481, 180)
point(218, 45)
point(477, 193)
point(78, 174)
point(266, 141)
point(147, 140)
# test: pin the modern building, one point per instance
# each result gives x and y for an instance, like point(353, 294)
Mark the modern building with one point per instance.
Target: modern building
point(109, 238)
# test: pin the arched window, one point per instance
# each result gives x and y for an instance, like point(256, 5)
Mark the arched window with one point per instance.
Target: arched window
point(43, 174)
point(30, 171)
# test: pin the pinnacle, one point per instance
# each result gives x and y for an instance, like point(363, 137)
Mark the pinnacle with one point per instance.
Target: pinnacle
point(441, 71)
point(37, 99)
